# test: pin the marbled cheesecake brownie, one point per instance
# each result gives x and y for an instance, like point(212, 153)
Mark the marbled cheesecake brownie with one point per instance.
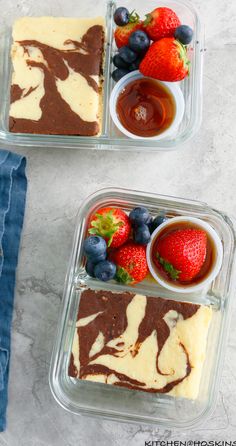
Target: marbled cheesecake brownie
point(57, 76)
point(143, 343)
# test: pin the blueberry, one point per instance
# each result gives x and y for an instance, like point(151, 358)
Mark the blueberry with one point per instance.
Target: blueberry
point(158, 220)
point(119, 73)
point(94, 246)
point(150, 221)
point(89, 267)
point(135, 65)
point(142, 234)
point(118, 62)
point(139, 41)
point(127, 54)
point(97, 258)
point(121, 16)
point(139, 216)
point(105, 270)
point(184, 34)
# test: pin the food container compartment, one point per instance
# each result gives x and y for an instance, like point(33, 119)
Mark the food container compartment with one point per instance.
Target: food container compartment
point(111, 402)
point(111, 138)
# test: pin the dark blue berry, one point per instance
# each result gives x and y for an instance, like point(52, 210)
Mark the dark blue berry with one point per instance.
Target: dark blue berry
point(139, 216)
point(149, 222)
point(118, 62)
point(121, 16)
point(142, 234)
point(119, 73)
point(139, 41)
point(90, 268)
point(94, 245)
point(127, 54)
point(158, 220)
point(105, 270)
point(184, 34)
point(97, 258)
point(135, 65)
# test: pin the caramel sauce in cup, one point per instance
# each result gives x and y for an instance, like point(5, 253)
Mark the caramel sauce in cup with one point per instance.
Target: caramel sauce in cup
point(146, 107)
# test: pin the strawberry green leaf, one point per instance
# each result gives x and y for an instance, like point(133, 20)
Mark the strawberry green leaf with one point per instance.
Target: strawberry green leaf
point(183, 53)
point(147, 20)
point(93, 231)
point(169, 268)
point(123, 276)
point(105, 226)
point(133, 17)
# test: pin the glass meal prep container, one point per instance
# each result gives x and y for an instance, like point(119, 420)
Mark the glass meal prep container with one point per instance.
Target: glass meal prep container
point(118, 403)
point(110, 137)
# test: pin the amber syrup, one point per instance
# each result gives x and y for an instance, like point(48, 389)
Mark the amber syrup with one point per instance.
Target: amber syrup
point(145, 107)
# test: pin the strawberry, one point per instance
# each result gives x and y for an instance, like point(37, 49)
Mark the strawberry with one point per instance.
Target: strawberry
point(166, 60)
point(162, 22)
point(131, 263)
point(122, 33)
point(181, 253)
point(112, 224)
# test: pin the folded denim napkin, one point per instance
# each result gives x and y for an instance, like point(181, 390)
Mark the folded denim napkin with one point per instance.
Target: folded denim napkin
point(13, 186)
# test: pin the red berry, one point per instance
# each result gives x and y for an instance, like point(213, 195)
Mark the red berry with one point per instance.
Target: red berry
point(162, 22)
point(122, 33)
point(131, 263)
point(182, 253)
point(165, 60)
point(112, 224)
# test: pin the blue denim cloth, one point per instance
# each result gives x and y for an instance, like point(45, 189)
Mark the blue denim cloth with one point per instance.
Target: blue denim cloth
point(13, 186)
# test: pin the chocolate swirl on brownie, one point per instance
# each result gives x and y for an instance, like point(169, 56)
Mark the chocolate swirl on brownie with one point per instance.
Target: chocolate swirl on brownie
point(67, 76)
point(137, 342)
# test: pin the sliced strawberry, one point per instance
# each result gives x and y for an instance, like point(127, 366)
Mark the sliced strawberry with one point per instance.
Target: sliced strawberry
point(112, 224)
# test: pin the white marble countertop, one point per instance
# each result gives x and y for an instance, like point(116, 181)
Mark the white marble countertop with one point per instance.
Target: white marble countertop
point(205, 169)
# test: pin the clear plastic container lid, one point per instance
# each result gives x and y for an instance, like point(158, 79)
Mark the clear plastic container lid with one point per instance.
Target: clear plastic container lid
point(111, 138)
point(107, 401)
